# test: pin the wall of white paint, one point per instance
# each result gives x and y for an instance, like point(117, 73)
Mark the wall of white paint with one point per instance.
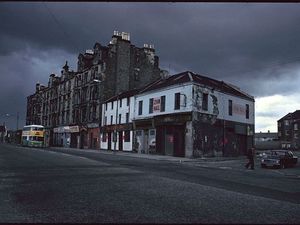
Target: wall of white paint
point(127, 146)
point(190, 102)
point(185, 100)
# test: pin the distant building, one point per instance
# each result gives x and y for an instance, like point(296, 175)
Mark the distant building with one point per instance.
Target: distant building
point(267, 140)
point(186, 115)
point(3, 133)
point(70, 105)
point(288, 130)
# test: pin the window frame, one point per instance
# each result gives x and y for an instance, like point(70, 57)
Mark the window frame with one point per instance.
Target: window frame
point(177, 101)
point(230, 103)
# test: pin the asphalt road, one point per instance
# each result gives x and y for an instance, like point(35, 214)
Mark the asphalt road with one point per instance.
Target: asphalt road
point(91, 187)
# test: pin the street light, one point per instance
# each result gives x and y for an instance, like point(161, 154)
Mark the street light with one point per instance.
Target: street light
point(17, 116)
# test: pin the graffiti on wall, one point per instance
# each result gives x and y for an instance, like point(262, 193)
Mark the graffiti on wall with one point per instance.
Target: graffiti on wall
point(215, 139)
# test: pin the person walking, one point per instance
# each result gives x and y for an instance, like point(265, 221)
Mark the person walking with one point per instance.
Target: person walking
point(250, 156)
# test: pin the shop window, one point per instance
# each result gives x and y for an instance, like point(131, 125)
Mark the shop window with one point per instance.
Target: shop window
point(177, 101)
point(127, 136)
point(230, 107)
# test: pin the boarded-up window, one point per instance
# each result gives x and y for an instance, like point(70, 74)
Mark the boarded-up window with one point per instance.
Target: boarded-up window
point(177, 101)
point(204, 101)
point(140, 107)
point(151, 105)
point(162, 103)
point(230, 107)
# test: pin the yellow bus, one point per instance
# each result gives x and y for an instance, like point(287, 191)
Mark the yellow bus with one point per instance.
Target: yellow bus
point(33, 136)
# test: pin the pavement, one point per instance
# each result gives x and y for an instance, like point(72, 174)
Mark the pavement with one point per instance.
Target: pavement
point(219, 162)
point(155, 157)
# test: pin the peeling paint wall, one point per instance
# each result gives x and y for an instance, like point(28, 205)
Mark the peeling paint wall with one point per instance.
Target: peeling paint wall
point(214, 137)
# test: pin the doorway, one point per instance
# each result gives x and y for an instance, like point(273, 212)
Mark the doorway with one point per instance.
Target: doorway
point(120, 140)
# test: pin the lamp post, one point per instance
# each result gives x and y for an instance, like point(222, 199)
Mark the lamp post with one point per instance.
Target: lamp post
point(17, 116)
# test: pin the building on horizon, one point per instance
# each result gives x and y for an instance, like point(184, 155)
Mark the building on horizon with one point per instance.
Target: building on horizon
point(288, 130)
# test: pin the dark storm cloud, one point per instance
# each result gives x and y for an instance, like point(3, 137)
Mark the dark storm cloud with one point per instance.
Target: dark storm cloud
point(254, 46)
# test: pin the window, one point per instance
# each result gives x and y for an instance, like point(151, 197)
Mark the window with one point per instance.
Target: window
point(127, 117)
point(162, 103)
point(105, 121)
point(295, 126)
point(104, 137)
point(128, 101)
point(247, 111)
point(204, 101)
point(111, 119)
point(120, 117)
point(296, 135)
point(286, 122)
point(230, 107)
point(140, 107)
point(127, 136)
point(177, 101)
point(120, 103)
point(286, 132)
point(151, 105)
point(112, 105)
point(105, 106)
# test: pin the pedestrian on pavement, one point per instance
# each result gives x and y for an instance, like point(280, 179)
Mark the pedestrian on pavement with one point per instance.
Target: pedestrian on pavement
point(250, 156)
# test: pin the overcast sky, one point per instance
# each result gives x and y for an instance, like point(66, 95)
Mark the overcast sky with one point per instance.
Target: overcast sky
point(254, 46)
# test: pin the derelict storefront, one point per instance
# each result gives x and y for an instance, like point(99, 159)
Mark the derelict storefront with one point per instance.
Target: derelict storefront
point(144, 136)
point(93, 135)
point(117, 137)
point(171, 134)
point(62, 136)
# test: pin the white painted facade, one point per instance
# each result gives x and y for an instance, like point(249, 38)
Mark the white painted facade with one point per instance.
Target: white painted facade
point(112, 112)
point(191, 100)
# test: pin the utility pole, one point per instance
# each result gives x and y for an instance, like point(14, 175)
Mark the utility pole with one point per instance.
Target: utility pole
point(17, 120)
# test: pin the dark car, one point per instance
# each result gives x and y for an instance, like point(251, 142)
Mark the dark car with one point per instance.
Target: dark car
point(279, 158)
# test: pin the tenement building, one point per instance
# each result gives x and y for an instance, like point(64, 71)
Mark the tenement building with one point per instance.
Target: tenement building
point(288, 130)
point(186, 115)
point(70, 105)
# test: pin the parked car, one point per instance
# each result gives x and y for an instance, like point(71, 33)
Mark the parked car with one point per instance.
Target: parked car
point(279, 158)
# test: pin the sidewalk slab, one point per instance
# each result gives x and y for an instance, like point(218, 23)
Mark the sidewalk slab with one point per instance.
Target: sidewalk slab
point(156, 157)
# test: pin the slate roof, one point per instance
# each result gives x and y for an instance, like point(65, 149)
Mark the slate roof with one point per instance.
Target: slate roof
point(188, 76)
point(289, 116)
point(122, 95)
point(185, 77)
